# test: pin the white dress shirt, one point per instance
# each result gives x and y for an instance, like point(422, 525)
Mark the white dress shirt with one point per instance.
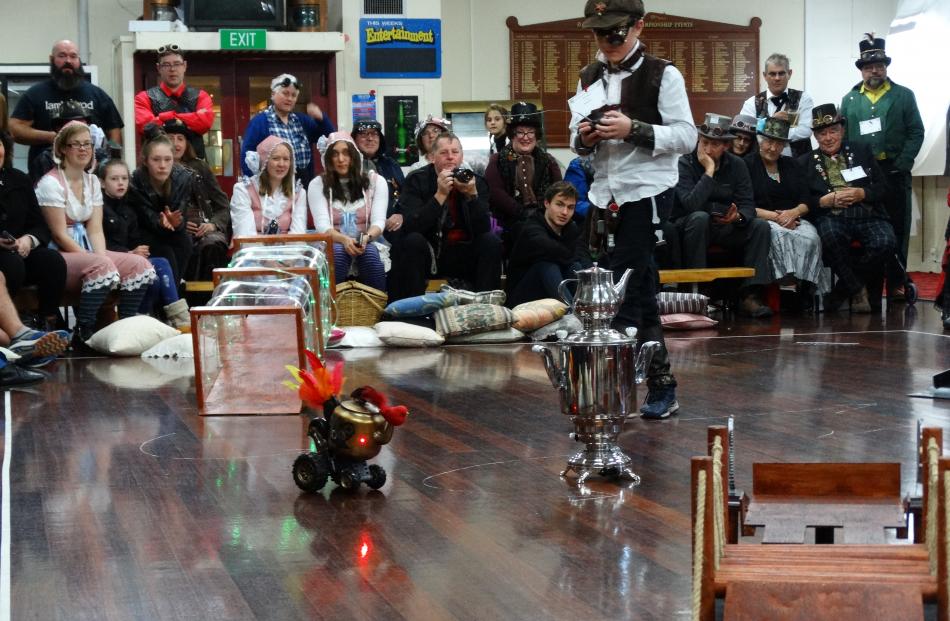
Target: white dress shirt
point(628, 173)
point(802, 131)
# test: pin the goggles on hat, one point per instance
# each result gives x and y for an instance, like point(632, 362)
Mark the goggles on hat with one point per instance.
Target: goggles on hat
point(715, 131)
point(743, 126)
point(171, 47)
point(287, 81)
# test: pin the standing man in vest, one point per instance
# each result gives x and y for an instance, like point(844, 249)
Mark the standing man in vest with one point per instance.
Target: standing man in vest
point(639, 132)
point(784, 103)
point(172, 99)
point(884, 116)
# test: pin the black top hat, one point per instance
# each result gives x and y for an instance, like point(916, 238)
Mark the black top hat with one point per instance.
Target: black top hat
point(743, 123)
point(716, 127)
point(824, 116)
point(611, 13)
point(177, 126)
point(71, 110)
point(872, 51)
point(524, 113)
point(776, 129)
point(366, 125)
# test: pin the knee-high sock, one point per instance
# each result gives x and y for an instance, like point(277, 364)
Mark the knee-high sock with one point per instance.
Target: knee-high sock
point(130, 301)
point(89, 304)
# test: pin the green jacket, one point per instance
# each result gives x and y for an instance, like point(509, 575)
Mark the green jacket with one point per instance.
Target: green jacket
point(902, 130)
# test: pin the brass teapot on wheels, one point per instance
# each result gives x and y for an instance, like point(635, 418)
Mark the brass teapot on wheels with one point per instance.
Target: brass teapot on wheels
point(596, 372)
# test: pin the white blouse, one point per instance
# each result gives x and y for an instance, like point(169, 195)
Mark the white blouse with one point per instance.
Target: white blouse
point(53, 191)
point(272, 206)
point(321, 215)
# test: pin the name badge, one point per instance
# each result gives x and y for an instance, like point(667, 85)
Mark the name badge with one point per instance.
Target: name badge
point(870, 126)
point(853, 174)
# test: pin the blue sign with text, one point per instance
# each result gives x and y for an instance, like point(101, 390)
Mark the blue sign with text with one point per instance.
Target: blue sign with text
point(400, 48)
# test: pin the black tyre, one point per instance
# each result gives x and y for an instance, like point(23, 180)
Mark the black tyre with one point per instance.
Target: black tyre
point(377, 477)
point(910, 293)
point(310, 472)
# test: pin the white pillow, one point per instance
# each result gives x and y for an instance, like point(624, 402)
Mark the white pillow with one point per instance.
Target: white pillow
point(402, 334)
point(131, 336)
point(359, 336)
point(181, 346)
point(505, 335)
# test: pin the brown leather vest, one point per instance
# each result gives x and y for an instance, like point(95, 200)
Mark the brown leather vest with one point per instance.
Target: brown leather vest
point(639, 91)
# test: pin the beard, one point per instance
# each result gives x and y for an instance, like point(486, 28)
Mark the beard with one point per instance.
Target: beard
point(67, 81)
point(874, 83)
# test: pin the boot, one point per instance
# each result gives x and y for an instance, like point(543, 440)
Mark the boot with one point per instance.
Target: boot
point(177, 315)
point(860, 303)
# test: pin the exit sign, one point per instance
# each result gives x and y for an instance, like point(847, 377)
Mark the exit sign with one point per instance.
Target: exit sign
point(244, 39)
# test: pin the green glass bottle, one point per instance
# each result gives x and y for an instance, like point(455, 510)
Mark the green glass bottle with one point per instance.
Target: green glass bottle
point(403, 136)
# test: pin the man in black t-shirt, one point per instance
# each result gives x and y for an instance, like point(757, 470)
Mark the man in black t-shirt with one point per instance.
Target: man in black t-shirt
point(32, 121)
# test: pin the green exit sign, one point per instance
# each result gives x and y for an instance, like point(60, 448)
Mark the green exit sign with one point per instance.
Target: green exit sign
point(244, 39)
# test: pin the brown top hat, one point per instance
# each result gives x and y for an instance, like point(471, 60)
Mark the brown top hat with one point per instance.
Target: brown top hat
point(872, 51)
point(716, 126)
point(611, 13)
point(776, 129)
point(824, 116)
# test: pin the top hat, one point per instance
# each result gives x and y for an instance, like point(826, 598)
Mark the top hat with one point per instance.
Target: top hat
point(524, 113)
point(824, 116)
point(177, 126)
point(872, 51)
point(716, 127)
point(611, 13)
point(743, 123)
point(776, 129)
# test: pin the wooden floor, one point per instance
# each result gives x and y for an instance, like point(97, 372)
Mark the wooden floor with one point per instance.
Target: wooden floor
point(126, 505)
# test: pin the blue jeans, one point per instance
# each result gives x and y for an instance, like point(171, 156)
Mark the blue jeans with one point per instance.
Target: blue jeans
point(164, 288)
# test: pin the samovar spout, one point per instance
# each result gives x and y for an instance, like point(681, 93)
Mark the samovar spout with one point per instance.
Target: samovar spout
point(644, 358)
point(555, 373)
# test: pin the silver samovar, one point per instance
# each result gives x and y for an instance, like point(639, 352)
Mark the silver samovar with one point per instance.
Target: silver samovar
point(596, 372)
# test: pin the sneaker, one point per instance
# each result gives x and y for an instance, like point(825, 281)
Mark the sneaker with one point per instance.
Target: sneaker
point(36, 345)
point(660, 403)
point(751, 306)
point(14, 375)
point(860, 303)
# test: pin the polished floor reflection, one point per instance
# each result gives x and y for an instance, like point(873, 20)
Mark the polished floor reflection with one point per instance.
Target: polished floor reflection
point(127, 505)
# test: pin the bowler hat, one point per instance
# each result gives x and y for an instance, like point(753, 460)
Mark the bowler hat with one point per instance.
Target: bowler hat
point(367, 124)
point(611, 13)
point(872, 51)
point(716, 127)
point(524, 114)
point(775, 128)
point(744, 123)
point(824, 116)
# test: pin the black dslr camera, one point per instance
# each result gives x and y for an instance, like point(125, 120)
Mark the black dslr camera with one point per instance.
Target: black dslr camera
point(462, 175)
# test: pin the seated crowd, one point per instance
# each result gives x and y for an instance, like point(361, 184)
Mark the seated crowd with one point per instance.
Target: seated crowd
point(135, 234)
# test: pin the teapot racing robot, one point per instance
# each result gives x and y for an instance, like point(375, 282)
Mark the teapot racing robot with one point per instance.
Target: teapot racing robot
point(346, 434)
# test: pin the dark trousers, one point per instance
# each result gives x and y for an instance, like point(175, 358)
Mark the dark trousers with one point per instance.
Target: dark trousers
point(44, 268)
point(898, 206)
point(634, 243)
point(700, 231)
point(877, 243)
point(176, 247)
point(539, 282)
point(478, 262)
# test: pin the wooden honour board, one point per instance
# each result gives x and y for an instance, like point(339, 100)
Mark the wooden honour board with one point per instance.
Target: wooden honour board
point(719, 62)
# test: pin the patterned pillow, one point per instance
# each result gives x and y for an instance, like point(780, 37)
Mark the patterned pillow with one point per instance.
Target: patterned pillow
point(687, 321)
point(532, 315)
point(421, 305)
point(508, 335)
point(472, 319)
point(671, 302)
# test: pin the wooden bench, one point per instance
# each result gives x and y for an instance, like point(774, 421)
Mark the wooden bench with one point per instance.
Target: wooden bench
point(816, 582)
point(706, 274)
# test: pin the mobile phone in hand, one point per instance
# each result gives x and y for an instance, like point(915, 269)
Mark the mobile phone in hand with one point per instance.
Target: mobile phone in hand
point(363, 240)
point(7, 237)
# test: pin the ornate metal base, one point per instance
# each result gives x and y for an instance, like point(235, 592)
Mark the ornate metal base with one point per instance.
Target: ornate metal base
point(604, 459)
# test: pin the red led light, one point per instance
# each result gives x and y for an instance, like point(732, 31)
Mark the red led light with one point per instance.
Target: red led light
point(362, 439)
point(364, 550)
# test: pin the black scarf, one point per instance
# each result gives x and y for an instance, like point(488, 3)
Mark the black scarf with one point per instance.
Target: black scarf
point(508, 160)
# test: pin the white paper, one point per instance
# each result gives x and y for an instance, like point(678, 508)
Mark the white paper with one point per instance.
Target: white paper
point(853, 174)
point(584, 102)
point(870, 126)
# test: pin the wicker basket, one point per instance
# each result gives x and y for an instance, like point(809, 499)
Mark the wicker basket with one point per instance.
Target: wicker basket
point(358, 304)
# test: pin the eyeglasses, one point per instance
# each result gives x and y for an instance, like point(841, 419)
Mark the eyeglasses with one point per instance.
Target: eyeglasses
point(79, 145)
point(776, 74)
point(175, 65)
point(171, 47)
point(368, 134)
point(288, 82)
point(526, 133)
